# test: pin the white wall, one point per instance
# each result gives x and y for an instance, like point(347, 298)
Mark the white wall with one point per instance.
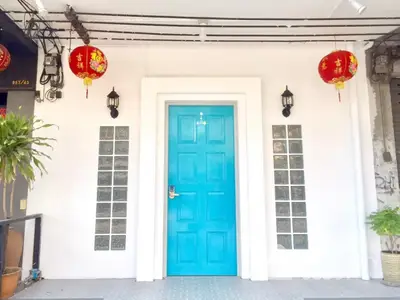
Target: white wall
point(67, 196)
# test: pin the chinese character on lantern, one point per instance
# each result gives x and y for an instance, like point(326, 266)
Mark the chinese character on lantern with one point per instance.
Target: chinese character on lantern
point(5, 58)
point(88, 63)
point(337, 68)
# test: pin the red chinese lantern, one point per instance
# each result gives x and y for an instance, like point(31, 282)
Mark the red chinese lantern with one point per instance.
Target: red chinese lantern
point(3, 112)
point(88, 63)
point(5, 58)
point(337, 68)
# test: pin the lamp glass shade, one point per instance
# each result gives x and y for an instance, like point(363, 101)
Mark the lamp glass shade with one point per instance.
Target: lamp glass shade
point(113, 99)
point(287, 98)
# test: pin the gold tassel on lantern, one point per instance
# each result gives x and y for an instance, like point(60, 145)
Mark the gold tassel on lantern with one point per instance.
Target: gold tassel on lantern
point(339, 86)
point(87, 82)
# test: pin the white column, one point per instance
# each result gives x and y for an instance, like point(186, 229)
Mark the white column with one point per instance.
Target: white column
point(363, 150)
point(243, 239)
point(256, 192)
point(147, 181)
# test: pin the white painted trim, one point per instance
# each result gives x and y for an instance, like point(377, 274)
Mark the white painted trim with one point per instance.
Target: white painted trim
point(246, 94)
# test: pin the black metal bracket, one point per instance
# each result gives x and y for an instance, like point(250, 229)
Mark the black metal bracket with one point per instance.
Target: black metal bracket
point(286, 111)
point(72, 17)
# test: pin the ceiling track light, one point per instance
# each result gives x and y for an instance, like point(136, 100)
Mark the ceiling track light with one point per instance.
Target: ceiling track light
point(40, 7)
point(360, 8)
point(203, 35)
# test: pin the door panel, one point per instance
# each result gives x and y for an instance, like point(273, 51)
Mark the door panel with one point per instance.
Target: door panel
point(201, 170)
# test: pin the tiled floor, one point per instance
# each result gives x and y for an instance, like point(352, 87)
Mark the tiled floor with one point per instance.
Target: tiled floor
point(206, 288)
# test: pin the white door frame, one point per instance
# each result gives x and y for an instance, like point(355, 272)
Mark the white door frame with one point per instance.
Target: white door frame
point(151, 229)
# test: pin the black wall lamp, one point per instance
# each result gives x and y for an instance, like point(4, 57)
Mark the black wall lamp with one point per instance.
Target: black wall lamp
point(113, 103)
point(287, 102)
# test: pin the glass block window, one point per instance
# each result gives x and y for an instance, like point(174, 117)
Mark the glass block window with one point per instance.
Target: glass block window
point(112, 188)
point(290, 194)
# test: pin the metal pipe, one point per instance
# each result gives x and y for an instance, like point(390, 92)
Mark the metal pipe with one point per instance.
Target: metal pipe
point(225, 35)
point(216, 18)
point(296, 35)
point(133, 32)
point(222, 41)
point(222, 26)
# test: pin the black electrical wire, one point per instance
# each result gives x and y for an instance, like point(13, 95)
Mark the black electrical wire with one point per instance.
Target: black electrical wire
point(216, 18)
point(225, 26)
point(42, 35)
point(44, 78)
point(387, 37)
point(295, 35)
point(29, 9)
point(60, 84)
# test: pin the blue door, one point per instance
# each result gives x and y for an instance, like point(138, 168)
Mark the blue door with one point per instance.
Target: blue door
point(201, 191)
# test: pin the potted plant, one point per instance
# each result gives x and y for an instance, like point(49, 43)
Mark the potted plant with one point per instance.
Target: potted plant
point(386, 223)
point(21, 151)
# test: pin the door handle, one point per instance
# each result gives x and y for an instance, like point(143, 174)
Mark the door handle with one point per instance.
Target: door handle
point(171, 192)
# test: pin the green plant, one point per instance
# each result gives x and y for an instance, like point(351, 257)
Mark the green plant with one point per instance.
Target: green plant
point(386, 223)
point(19, 152)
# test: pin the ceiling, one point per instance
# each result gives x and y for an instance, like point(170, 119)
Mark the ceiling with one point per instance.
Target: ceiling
point(231, 8)
point(181, 29)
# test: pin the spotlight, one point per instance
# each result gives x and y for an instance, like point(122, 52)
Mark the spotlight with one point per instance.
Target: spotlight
point(40, 7)
point(358, 6)
point(203, 34)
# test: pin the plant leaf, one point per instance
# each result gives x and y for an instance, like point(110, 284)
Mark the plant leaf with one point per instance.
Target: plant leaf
point(21, 150)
